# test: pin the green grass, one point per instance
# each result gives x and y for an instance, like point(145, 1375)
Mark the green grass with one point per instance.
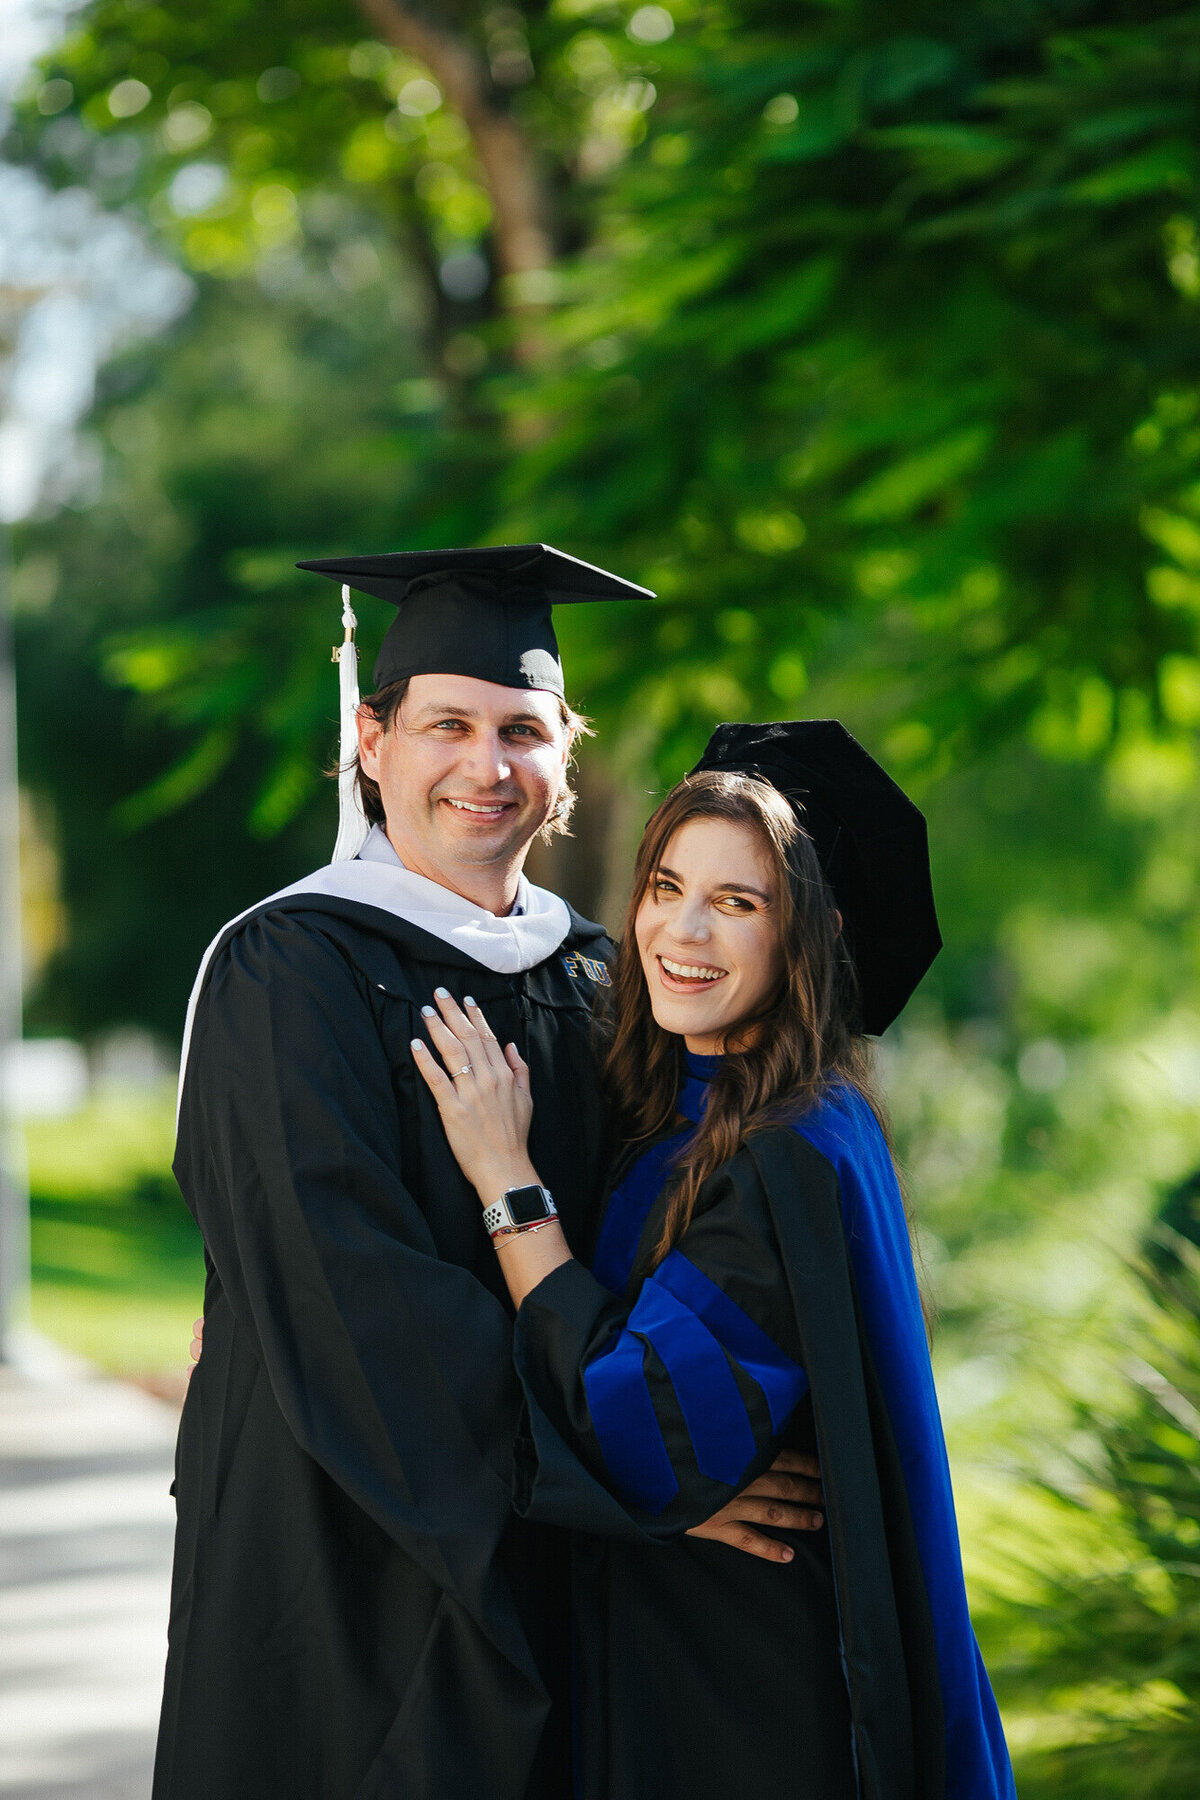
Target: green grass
point(118, 1274)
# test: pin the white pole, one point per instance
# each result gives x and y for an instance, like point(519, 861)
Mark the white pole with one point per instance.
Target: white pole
point(14, 1195)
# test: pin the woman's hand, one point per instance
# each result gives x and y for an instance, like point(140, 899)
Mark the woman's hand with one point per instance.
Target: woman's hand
point(482, 1095)
point(786, 1497)
point(196, 1345)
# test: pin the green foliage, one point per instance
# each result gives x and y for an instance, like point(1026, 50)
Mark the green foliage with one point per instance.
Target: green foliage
point(273, 104)
point(879, 351)
point(897, 316)
point(1106, 1655)
point(882, 347)
point(877, 359)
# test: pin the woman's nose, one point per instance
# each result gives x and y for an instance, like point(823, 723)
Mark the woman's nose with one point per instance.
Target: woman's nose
point(691, 924)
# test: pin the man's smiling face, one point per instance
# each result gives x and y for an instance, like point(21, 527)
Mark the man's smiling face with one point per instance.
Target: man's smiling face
point(468, 774)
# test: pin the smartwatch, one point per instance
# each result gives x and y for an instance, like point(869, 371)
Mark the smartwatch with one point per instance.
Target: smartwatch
point(518, 1208)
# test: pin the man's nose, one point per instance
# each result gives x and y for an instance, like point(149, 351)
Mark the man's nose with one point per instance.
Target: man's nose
point(486, 760)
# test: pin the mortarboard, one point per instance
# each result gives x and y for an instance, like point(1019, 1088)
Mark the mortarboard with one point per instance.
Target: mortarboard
point(871, 842)
point(483, 612)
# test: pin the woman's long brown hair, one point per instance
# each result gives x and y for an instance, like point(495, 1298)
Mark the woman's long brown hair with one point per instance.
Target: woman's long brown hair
point(781, 1061)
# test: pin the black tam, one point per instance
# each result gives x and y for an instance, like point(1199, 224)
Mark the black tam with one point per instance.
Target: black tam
point(869, 837)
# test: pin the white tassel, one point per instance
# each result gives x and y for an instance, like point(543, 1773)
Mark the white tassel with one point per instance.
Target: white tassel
point(352, 821)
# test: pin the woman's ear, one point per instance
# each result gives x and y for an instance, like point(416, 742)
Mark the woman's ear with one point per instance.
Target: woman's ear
point(837, 922)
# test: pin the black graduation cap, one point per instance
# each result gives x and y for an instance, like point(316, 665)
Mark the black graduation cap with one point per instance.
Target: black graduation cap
point(482, 612)
point(871, 841)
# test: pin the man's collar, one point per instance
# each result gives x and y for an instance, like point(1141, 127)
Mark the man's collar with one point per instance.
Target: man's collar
point(379, 848)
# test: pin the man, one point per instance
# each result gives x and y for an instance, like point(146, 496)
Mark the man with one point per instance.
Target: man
point(356, 1612)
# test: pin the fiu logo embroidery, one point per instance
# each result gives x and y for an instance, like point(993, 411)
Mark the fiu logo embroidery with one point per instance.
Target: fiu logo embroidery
point(588, 966)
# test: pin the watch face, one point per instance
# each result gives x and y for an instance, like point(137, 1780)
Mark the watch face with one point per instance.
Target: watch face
point(527, 1204)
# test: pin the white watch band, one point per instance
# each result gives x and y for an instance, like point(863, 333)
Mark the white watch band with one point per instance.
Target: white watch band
point(498, 1217)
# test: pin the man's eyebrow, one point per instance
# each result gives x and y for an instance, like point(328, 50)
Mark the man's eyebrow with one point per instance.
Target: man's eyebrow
point(432, 710)
point(725, 887)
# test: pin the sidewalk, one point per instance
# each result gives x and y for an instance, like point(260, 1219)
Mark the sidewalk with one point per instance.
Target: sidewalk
point(86, 1525)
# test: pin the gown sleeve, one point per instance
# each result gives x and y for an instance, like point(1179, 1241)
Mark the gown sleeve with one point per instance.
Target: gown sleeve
point(644, 1415)
point(391, 1367)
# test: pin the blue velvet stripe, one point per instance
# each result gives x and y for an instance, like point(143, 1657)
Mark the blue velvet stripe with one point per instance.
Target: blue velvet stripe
point(714, 1412)
point(628, 1210)
point(627, 1427)
point(695, 1329)
point(844, 1130)
point(782, 1381)
point(631, 1201)
point(713, 1409)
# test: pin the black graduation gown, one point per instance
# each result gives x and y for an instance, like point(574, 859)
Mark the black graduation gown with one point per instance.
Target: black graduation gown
point(699, 1672)
point(356, 1613)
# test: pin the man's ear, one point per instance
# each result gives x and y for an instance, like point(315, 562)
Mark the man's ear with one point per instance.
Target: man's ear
point(370, 731)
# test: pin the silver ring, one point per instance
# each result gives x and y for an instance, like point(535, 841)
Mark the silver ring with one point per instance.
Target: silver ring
point(459, 1072)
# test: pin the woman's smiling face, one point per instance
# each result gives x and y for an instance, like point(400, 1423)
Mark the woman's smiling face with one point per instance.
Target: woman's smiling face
point(707, 933)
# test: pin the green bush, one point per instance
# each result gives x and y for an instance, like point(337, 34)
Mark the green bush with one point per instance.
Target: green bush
point(1106, 1657)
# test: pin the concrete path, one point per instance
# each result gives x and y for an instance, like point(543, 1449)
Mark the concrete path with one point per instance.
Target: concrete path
point(86, 1526)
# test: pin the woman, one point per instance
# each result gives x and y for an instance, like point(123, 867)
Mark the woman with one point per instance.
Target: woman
point(752, 1289)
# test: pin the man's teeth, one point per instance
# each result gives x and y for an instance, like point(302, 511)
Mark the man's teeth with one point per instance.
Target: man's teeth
point(690, 971)
point(469, 806)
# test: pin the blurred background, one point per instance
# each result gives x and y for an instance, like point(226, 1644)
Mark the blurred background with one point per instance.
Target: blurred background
point(869, 337)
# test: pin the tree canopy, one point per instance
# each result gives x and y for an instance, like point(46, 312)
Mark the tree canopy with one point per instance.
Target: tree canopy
point(868, 341)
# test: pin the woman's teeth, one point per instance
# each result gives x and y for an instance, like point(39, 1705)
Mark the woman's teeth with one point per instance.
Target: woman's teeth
point(691, 971)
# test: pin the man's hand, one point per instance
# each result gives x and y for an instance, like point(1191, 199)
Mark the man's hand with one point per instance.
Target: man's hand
point(786, 1496)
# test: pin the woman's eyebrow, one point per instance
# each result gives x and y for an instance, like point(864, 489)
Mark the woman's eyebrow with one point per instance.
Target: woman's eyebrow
point(724, 887)
point(742, 887)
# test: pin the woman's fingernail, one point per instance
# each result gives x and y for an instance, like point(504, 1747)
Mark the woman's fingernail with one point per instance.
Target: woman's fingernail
point(467, 1000)
point(441, 993)
point(415, 1044)
point(427, 1012)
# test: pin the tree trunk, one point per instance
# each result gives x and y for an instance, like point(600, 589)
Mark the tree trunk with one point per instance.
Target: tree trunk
point(520, 232)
